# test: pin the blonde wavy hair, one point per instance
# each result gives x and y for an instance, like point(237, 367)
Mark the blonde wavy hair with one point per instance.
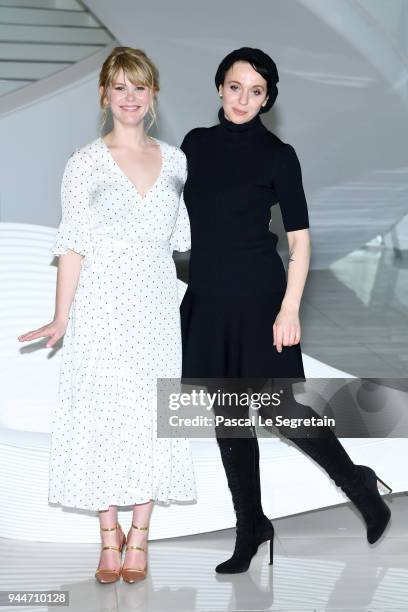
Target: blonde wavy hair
point(139, 69)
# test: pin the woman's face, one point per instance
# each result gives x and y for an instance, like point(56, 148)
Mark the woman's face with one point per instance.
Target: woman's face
point(129, 103)
point(244, 92)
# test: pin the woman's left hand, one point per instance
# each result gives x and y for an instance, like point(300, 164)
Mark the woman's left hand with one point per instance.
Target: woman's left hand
point(286, 329)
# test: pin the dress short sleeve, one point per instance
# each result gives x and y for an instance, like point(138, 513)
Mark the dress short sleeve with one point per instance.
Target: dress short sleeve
point(73, 232)
point(289, 189)
point(180, 239)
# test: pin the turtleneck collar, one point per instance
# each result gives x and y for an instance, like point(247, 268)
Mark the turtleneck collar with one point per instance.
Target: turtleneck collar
point(249, 126)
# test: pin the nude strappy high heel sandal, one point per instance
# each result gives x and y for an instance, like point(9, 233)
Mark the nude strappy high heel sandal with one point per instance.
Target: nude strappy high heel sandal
point(106, 575)
point(132, 574)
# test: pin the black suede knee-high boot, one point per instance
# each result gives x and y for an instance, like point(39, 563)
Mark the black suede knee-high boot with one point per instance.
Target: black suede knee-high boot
point(262, 525)
point(358, 482)
point(240, 461)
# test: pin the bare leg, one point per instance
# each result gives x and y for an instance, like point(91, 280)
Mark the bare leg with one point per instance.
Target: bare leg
point(141, 518)
point(110, 558)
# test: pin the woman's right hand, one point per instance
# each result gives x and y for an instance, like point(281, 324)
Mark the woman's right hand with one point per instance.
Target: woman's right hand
point(55, 330)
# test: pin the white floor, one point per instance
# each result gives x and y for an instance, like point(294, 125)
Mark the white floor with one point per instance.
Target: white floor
point(322, 558)
point(322, 562)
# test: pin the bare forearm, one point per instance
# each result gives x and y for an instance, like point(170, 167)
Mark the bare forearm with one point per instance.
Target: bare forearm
point(298, 268)
point(69, 267)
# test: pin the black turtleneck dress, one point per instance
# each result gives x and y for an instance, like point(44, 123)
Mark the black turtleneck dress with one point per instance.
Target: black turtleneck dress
point(237, 280)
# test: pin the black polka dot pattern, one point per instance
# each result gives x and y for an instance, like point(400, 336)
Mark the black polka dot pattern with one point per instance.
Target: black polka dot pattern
point(123, 333)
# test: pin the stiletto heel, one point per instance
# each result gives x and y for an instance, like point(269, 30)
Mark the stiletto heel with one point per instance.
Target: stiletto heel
point(107, 576)
point(132, 574)
point(271, 551)
point(384, 484)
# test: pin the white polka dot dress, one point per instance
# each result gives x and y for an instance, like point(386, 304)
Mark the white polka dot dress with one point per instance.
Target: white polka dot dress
point(123, 333)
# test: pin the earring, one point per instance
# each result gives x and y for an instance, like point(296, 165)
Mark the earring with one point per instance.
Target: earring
point(220, 95)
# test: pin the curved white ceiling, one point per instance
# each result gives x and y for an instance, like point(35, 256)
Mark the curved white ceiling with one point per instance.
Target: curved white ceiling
point(341, 103)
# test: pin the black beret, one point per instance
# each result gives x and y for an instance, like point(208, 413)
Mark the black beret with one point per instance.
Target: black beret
point(248, 54)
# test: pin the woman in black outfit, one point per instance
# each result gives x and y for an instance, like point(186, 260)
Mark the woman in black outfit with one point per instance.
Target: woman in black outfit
point(240, 315)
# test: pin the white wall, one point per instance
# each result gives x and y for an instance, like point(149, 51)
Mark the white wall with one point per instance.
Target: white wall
point(38, 137)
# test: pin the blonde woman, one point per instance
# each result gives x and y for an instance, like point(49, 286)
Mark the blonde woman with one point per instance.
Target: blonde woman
point(117, 308)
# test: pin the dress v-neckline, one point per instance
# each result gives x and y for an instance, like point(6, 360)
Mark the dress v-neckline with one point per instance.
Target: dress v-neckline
point(141, 197)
